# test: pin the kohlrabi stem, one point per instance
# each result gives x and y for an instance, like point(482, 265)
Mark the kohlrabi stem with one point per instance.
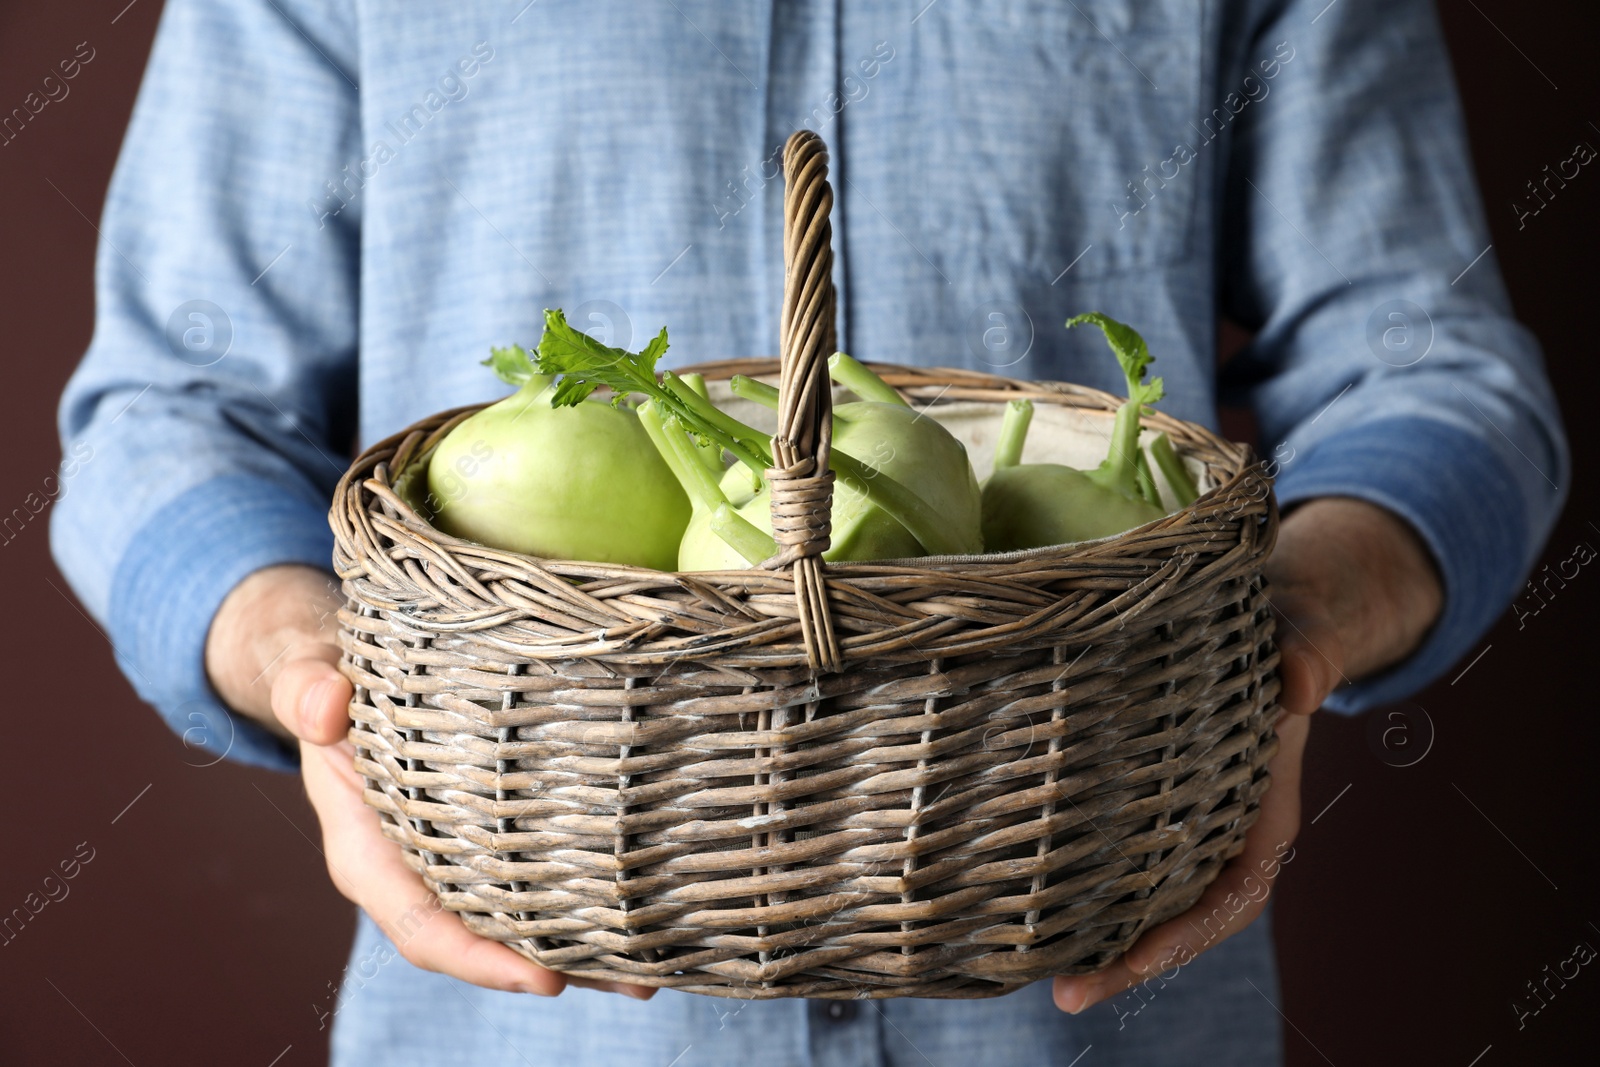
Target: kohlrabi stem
point(741, 535)
point(740, 436)
point(1013, 433)
point(767, 396)
point(1120, 471)
point(1145, 480)
point(705, 496)
point(859, 380)
point(747, 388)
point(899, 503)
point(710, 452)
point(676, 448)
point(1177, 474)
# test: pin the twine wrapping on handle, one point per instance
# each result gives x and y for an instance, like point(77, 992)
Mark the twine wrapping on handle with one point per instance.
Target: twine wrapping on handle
point(802, 484)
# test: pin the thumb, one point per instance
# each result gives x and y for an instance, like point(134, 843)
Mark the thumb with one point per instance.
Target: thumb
point(311, 698)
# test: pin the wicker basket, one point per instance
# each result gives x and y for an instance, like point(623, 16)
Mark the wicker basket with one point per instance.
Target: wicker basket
point(941, 777)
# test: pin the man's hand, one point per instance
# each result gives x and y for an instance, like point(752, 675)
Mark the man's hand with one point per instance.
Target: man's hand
point(1354, 591)
point(271, 655)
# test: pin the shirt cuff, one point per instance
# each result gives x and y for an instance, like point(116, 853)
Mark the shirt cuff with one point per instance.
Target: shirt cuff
point(172, 578)
point(1468, 509)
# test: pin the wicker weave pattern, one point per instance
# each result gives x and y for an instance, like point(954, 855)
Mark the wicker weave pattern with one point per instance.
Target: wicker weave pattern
point(1020, 764)
point(1023, 765)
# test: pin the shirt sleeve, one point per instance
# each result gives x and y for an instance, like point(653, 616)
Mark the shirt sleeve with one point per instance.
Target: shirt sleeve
point(1386, 363)
point(214, 409)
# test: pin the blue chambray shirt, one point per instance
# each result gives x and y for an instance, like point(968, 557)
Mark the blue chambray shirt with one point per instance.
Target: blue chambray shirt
point(327, 210)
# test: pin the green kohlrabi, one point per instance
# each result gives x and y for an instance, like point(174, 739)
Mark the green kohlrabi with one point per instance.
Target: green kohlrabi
point(892, 441)
point(580, 482)
point(905, 484)
point(718, 536)
point(1026, 505)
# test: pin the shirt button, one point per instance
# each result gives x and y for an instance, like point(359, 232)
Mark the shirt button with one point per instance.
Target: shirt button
point(836, 1011)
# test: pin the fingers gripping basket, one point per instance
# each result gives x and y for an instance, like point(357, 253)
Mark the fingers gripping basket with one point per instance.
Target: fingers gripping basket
point(938, 778)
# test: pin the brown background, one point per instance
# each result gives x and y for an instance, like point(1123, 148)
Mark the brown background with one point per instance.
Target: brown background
point(205, 931)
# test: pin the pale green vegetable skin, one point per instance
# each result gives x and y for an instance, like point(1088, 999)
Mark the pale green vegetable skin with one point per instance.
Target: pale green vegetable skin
point(897, 442)
point(1037, 504)
point(1028, 505)
point(900, 465)
point(861, 532)
point(889, 441)
point(581, 482)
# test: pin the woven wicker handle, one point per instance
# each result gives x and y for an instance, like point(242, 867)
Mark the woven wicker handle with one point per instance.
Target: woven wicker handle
point(802, 484)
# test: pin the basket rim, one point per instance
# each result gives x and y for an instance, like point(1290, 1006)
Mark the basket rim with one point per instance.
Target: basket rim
point(1233, 465)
